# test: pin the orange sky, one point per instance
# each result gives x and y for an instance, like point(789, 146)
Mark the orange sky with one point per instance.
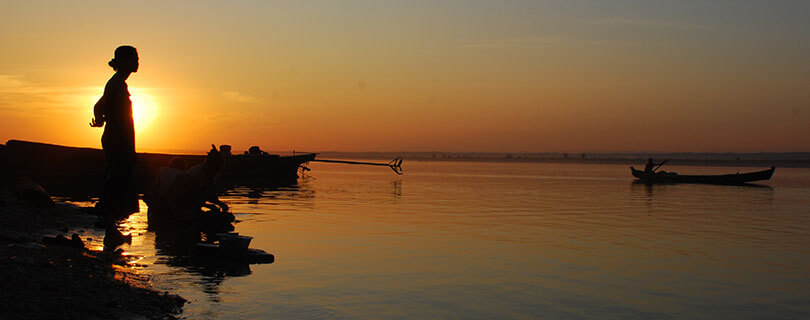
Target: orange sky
point(725, 76)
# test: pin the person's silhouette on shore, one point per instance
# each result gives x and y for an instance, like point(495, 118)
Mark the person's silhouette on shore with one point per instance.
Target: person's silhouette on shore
point(119, 197)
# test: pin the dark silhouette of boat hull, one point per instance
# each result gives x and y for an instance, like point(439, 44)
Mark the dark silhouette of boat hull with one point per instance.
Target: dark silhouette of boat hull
point(724, 179)
point(79, 172)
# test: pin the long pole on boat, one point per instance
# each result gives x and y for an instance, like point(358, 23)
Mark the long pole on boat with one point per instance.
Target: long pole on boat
point(395, 164)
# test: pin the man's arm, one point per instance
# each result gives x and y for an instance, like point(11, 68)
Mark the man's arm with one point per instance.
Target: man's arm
point(98, 113)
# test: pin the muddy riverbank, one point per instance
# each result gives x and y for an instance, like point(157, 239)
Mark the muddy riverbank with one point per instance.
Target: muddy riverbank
point(62, 279)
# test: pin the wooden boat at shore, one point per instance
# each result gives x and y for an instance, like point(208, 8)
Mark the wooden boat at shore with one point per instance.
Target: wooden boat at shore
point(725, 179)
point(71, 171)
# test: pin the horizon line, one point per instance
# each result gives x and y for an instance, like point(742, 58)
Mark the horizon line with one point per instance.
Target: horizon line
point(571, 153)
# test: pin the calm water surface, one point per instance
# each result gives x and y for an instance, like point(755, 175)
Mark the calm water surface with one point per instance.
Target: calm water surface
point(504, 240)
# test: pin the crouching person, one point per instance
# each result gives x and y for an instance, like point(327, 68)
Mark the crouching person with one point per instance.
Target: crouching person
point(180, 195)
point(207, 178)
point(172, 202)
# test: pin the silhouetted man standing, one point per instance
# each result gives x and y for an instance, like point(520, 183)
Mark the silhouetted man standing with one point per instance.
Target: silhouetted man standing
point(119, 198)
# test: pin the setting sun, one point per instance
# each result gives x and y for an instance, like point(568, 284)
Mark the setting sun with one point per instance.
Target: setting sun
point(144, 109)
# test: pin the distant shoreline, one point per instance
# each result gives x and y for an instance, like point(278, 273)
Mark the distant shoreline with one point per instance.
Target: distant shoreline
point(638, 161)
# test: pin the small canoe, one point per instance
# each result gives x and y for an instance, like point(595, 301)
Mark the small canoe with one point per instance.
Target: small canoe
point(728, 179)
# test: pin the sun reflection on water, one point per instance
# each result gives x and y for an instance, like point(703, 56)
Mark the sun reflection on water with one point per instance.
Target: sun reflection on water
point(136, 225)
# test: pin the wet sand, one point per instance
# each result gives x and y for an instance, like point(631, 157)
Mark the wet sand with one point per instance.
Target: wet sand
point(46, 280)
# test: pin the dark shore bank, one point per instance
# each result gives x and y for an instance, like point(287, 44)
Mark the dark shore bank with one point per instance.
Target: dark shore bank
point(41, 279)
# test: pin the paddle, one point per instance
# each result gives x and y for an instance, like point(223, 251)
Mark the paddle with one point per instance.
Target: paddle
point(395, 164)
point(659, 166)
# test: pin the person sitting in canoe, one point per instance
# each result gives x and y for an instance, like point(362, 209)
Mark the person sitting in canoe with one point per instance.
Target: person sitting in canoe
point(651, 167)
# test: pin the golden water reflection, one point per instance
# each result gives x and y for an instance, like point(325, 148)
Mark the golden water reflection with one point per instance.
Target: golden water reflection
point(473, 240)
